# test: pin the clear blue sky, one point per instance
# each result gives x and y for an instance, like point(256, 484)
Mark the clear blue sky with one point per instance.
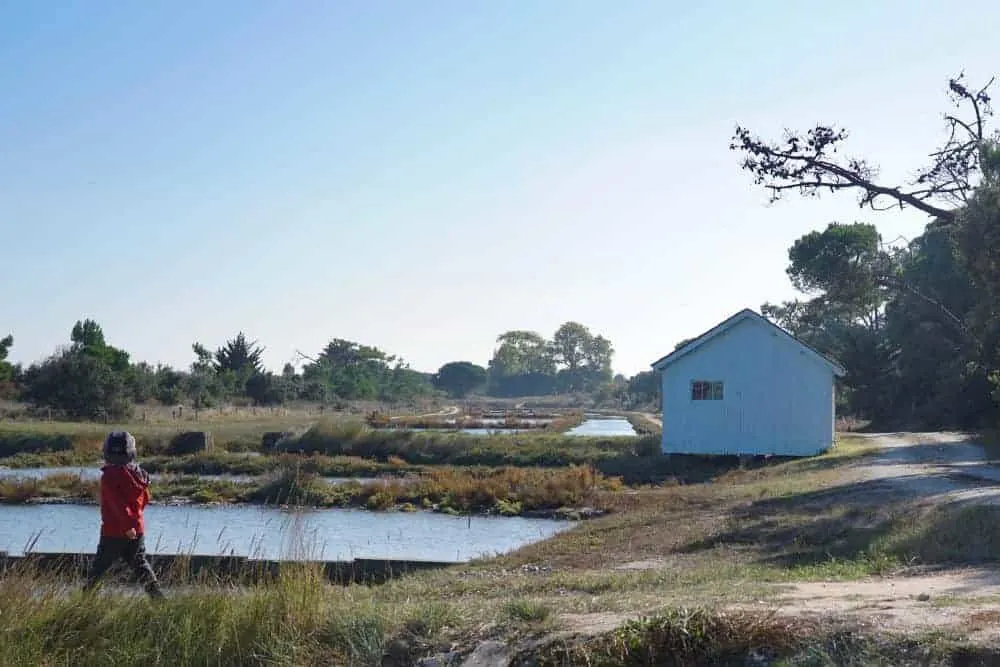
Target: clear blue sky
point(423, 176)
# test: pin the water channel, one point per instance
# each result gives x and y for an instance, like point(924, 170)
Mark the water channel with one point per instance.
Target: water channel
point(269, 532)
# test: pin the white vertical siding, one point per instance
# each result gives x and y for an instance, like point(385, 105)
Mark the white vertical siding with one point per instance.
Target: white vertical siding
point(778, 398)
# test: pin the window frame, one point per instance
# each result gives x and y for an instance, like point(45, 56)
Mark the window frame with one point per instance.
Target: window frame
point(707, 390)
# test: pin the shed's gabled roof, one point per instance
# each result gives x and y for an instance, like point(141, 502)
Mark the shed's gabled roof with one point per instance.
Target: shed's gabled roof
point(728, 324)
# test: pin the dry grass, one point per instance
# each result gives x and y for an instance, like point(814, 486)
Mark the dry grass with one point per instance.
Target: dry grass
point(238, 434)
point(505, 491)
point(690, 549)
point(185, 416)
point(55, 486)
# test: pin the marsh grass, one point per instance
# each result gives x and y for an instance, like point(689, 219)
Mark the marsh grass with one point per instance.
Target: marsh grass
point(47, 437)
point(688, 637)
point(341, 438)
point(527, 611)
point(292, 621)
point(224, 463)
point(643, 425)
point(301, 620)
point(507, 491)
point(696, 547)
point(54, 486)
point(493, 490)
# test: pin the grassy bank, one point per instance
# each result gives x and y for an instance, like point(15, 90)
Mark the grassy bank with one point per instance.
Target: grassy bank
point(423, 448)
point(550, 424)
point(154, 438)
point(67, 444)
point(661, 581)
point(351, 451)
point(241, 464)
point(643, 425)
point(300, 621)
point(504, 491)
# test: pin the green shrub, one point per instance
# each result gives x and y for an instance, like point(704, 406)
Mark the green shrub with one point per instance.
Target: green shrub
point(381, 500)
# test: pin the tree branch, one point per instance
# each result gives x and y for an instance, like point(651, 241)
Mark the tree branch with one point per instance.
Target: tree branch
point(306, 357)
point(903, 285)
point(806, 162)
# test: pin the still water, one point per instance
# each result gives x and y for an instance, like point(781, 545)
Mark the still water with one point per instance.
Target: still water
point(267, 532)
point(612, 426)
point(593, 426)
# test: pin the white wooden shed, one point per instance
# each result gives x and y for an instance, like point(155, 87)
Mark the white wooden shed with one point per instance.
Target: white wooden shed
point(747, 386)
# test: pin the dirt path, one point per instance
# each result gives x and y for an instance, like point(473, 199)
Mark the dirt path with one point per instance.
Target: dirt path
point(937, 468)
point(964, 601)
point(449, 411)
point(942, 467)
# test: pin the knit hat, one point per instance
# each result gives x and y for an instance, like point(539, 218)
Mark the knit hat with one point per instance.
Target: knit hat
point(119, 448)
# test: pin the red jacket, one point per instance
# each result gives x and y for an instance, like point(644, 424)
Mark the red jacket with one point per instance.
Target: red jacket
point(124, 495)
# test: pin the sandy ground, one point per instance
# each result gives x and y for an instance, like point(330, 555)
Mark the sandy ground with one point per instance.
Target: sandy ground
point(940, 468)
point(653, 418)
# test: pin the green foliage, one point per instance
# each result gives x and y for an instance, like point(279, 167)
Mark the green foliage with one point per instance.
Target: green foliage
point(644, 388)
point(87, 380)
point(6, 369)
point(914, 325)
point(692, 637)
point(351, 371)
point(91, 379)
point(8, 373)
point(459, 378)
point(526, 364)
point(240, 356)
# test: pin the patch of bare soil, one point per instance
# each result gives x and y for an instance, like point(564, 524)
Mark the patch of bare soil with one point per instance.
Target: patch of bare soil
point(933, 468)
point(591, 624)
point(653, 418)
point(965, 602)
point(937, 466)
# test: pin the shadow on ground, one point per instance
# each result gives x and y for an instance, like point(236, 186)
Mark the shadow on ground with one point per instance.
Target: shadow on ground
point(683, 468)
point(861, 520)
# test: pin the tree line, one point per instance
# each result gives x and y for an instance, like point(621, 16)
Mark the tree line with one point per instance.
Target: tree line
point(91, 379)
point(915, 323)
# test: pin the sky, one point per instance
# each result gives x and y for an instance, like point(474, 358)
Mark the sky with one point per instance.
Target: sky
point(423, 176)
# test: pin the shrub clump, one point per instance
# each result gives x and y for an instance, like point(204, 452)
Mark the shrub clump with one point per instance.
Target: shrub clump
point(12, 444)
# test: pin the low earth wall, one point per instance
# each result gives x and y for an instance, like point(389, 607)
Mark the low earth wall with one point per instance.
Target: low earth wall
point(228, 568)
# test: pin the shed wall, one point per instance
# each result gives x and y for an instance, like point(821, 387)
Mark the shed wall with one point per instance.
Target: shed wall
point(777, 398)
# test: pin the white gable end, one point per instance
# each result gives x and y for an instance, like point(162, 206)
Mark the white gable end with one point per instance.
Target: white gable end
point(747, 387)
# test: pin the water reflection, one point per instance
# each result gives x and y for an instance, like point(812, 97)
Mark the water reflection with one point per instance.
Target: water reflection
point(267, 532)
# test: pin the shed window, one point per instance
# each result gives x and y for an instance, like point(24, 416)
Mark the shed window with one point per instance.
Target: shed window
point(702, 390)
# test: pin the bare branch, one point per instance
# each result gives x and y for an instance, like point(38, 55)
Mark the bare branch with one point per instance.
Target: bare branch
point(807, 162)
point(903, 285)
point(306, 357)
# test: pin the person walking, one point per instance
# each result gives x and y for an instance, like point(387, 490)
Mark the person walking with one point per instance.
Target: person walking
point(124, 496)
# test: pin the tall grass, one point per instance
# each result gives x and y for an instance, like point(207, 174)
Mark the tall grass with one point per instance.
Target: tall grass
point(237, 464)
point(50, 437)
point(53, 486)
point(296, 620)
point(422, 448)
point(508, 491)
point(686, 637)
point(300, 619)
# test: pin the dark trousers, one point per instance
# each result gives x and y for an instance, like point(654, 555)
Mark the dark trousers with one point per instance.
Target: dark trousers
point(133, 552)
